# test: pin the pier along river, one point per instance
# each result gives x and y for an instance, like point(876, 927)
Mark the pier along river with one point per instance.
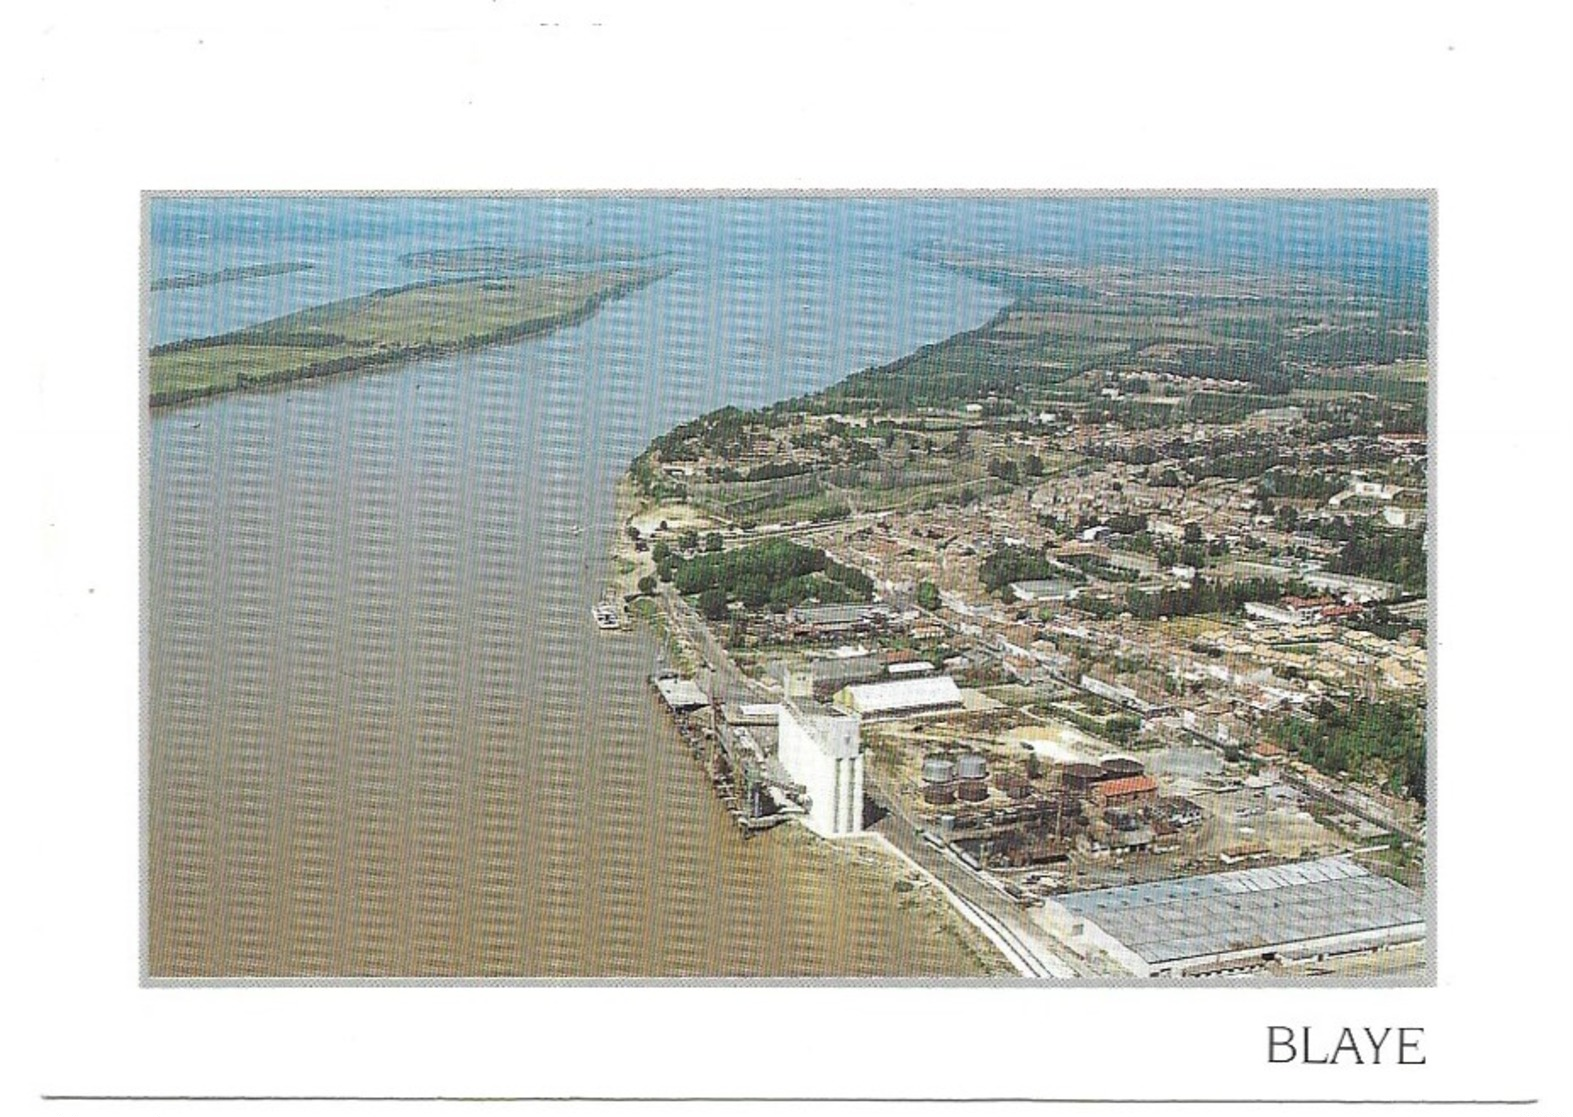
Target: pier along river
point(384, 736)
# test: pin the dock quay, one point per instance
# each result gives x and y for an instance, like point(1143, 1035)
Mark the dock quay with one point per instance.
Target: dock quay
point(734, 729)
point(734, 753)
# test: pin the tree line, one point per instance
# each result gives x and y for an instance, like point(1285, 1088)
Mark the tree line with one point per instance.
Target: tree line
point(1384, 740)
point(775, 574)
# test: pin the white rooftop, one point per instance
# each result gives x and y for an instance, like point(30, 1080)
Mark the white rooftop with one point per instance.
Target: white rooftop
point(904, 694)
point(681, 694)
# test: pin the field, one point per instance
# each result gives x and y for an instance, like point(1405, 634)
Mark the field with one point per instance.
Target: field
point(383, 329)
point(1110, 338)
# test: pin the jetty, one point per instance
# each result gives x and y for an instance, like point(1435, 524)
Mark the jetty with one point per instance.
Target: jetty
point(733, 746)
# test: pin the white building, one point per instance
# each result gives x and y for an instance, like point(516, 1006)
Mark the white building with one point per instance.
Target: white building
point(1045, 589)
point(1372, 490)
point(822, 748)
point(1114, 692)
point(902, 696)
point(1273, 614)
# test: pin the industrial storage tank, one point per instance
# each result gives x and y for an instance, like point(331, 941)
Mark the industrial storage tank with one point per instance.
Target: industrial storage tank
point(972, 767)
point(1016, 786)
point(938, 769)
point(973, 791)
point(1121, 767)
point(939, 794)
point(1081, 777)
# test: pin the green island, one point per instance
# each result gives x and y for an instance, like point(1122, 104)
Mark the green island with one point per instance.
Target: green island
point(227, 275)
point(384, 329)
point(493, 259)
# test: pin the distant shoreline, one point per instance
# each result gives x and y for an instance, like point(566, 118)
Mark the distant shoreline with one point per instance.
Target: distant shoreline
point(227, 275)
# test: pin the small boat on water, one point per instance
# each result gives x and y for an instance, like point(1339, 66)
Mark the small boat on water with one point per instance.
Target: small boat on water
point(606, 616)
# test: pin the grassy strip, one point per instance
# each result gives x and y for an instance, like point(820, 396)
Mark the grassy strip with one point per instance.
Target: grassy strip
point(677, 652)
point(383, 329)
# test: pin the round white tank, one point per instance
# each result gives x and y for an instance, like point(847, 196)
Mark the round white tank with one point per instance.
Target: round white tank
point(938, 769)
point(972, 767)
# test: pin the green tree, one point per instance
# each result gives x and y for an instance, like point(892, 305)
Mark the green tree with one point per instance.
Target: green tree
point(928, 596)
point(1371, 739)
point(713, 542)
point(1005, 469)
point(712, 603)
point(1013, 564)
point(647, 584)
point(776, 573)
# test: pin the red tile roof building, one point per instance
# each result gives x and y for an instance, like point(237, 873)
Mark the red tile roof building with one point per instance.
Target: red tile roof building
point(1125, 792)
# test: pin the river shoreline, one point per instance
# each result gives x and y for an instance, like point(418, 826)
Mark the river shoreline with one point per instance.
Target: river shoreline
point(946, 912)
point(378, 598)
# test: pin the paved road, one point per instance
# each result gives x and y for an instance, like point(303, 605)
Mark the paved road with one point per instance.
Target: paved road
point(733, 684)
point(1327, 795)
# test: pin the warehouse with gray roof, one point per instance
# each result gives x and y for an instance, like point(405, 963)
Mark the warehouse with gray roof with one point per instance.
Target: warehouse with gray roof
point(1240, 919)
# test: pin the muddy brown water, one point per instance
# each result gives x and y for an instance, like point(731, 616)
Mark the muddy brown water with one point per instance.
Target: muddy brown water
point(384, 737)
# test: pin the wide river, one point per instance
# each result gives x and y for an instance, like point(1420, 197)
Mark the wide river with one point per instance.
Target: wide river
point(384, 736)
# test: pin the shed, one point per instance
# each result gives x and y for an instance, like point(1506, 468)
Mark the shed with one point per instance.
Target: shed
point(902, 696)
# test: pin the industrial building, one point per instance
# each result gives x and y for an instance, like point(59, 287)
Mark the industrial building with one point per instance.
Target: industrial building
point(680, 694)
point(1273, 614)
point(1046, 589)
point(821, 748)
point(831, 675)
point(1126, 696)
point(902, 697)
point(1130, 791)
point(839, 620)
point(1239, 919)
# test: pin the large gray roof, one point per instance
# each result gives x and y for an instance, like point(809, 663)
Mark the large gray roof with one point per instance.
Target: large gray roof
point(837, 614)
point(1248, 909)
